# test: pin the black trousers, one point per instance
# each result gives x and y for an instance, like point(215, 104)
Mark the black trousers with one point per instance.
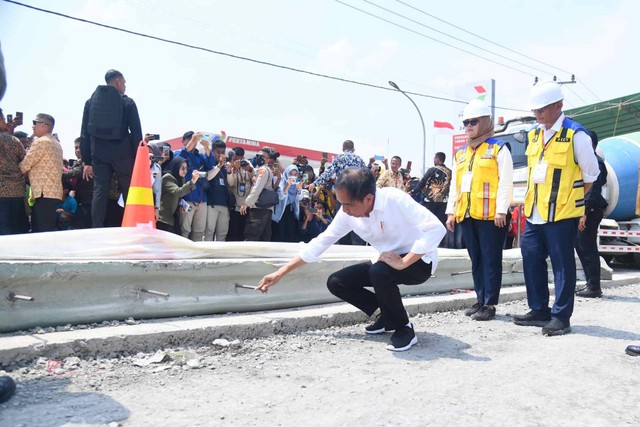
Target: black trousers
point(43, 215)
point(258, 225)
point(236, 226)
point(587, 247)
point(13, 216)
point(103, 170)
point(286, 227)
point(349, 285)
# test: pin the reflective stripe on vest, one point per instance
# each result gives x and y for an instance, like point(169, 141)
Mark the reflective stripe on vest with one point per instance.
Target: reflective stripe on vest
point(561, 196)
point(480, 202)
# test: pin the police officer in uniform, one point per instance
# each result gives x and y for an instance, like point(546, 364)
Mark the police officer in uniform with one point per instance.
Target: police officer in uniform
point(479, 198)
point(561, 169)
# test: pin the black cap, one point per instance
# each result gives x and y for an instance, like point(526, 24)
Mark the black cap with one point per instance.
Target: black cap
point(188, 134)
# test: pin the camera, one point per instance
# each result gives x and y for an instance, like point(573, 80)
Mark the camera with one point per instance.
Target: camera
point(202, 174)
point(154, 137)
point(312, 209)
point(243, 163)
point(166, 149)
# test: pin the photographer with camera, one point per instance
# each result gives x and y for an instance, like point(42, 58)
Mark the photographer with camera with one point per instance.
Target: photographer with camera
point(174, 186)
point(194, 221)
point(314, 220)
point(287, 212)
point(239, 182)
point(218, 196)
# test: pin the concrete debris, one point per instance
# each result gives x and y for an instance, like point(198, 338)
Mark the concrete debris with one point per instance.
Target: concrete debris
point(130, 321)
point(71, 362)
point(221, 342)
point(159, 357)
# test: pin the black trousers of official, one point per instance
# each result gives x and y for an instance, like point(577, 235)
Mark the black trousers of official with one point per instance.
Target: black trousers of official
point(484, 245)
point(258, 225)
point(112, 157)
point(43, 215)
point(349, 285)
point(587, 247)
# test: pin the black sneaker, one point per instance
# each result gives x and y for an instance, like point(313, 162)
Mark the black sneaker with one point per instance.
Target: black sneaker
point(589, 292)
point(473, 309)
point(403, 339)
point(7, 388)
point(532, 318)
point(376, 327)
point(485, 313)
point(556, 327)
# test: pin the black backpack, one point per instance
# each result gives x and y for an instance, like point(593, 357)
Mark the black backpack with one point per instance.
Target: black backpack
point(106, 114)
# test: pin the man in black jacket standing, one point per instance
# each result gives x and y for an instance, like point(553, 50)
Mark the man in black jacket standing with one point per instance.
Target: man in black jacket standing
point(587, 239)
point(110, 136)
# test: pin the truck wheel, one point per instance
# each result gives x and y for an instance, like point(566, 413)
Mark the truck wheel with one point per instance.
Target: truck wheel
point(608, 259)
point(636, 259)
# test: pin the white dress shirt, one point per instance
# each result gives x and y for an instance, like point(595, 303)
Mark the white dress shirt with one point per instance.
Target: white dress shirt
point(584, 154)
point(396, 224)
point(504, 194)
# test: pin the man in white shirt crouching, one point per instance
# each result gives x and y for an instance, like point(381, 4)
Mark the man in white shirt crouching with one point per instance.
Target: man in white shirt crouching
point(405, 234)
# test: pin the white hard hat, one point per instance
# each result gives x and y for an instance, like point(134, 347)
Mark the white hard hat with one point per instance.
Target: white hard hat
point(474, 109)
point(544, 94)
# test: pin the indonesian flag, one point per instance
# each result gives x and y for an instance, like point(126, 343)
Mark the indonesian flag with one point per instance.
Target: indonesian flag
point(444, 126)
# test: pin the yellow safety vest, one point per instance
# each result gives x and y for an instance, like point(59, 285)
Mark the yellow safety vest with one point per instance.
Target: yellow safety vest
point(561, 196)
point(480, 202)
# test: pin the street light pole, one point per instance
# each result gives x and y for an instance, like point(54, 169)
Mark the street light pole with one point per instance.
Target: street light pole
point(424, 132)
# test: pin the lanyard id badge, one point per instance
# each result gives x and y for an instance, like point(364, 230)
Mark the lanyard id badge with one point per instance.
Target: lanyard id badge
point(465, 185)
point(540, 172)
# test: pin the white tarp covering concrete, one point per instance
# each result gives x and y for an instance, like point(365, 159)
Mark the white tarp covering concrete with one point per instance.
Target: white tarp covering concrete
point(86, 276)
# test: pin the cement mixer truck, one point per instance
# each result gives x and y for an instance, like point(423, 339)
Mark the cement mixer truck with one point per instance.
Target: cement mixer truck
point(619, 233)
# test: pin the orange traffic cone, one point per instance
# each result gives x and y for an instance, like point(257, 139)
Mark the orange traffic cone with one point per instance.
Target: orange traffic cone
point(139, 210)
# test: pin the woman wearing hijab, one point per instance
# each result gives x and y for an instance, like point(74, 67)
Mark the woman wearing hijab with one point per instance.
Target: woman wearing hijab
point(479, 198)
point(287, 211)
point(174, 187)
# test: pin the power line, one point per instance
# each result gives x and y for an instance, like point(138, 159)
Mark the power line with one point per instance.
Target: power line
point(434, 39)
point(242, 58)
point(455, 38)
point(494, 43)
point(480, 37)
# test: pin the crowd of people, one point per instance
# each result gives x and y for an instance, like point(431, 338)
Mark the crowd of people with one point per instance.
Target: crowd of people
point(203, 191)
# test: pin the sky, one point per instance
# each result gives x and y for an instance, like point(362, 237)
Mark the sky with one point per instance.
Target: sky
point(54, 64)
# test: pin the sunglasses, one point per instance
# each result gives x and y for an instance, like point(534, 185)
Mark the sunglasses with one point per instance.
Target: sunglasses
point(539, 110)
point(35, 122)
point(471, 122)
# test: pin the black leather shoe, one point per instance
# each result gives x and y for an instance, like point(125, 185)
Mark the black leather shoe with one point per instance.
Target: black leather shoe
point(589, 292)
point(7, 388)
point(556, 327)
point(473, 309)
point(633, 350)
point(376, 327)
point(485, 313)
point(532, 318)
